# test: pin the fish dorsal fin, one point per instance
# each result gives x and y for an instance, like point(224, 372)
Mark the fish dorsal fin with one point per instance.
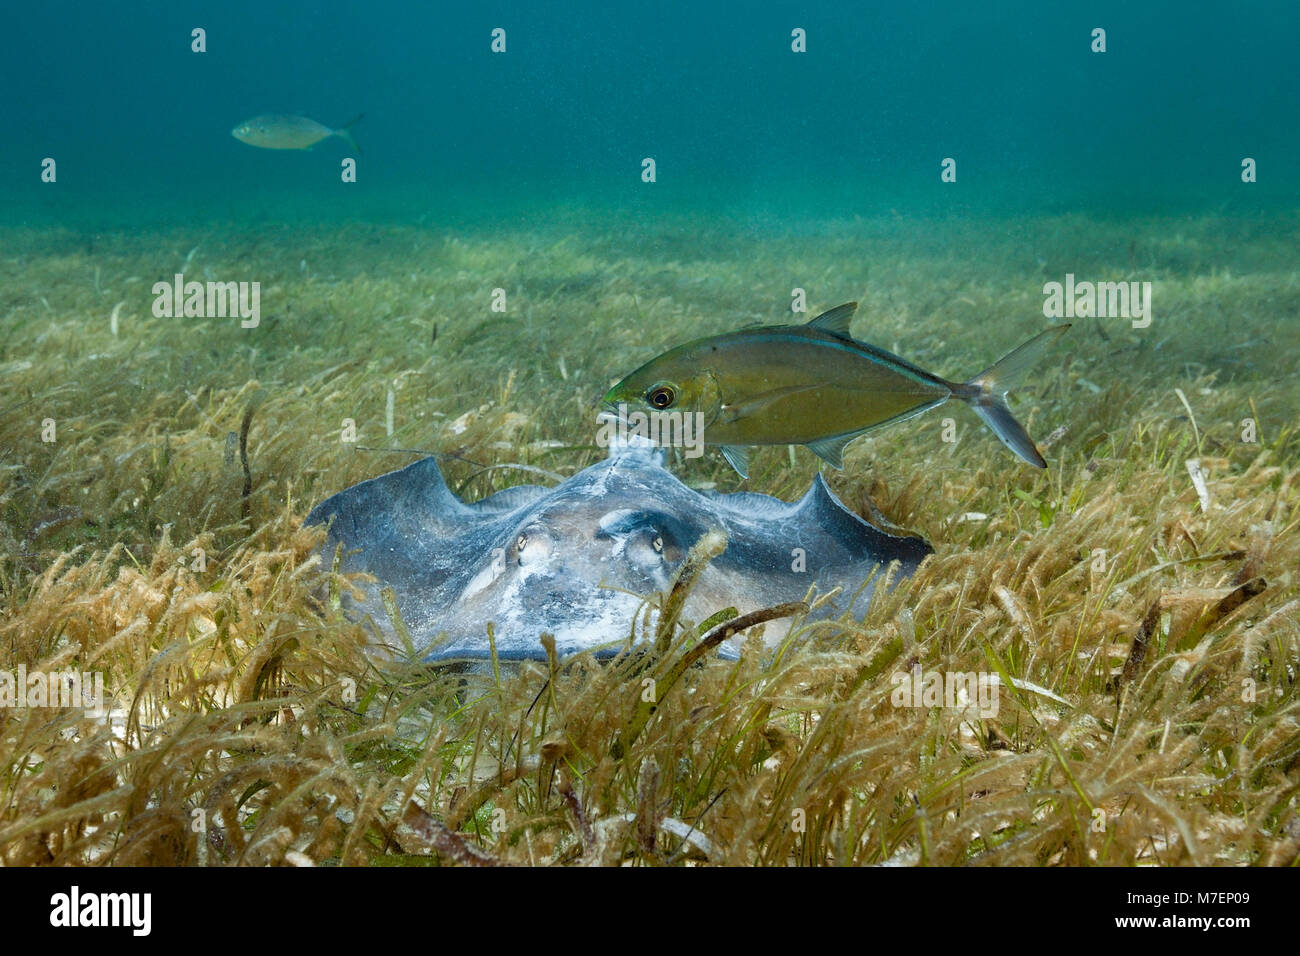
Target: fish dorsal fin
point(737, 457)
point(837, 320)
point(831, 450)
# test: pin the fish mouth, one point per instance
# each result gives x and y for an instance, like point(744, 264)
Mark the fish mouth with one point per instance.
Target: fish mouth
point(608, 401)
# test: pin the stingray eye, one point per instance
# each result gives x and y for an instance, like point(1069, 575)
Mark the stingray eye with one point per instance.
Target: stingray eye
point(534, 546)
point(658, 544)
point(661, 396)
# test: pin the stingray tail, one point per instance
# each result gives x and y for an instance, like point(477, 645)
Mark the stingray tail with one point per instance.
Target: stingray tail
point(344, 133)
point(987, 393)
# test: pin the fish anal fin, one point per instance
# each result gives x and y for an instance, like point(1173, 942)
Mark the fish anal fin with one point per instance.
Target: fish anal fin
point(737, 457)
point(831, 450)
point(836, 321)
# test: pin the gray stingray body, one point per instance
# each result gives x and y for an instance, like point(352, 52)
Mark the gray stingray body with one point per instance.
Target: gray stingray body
point(582, 560)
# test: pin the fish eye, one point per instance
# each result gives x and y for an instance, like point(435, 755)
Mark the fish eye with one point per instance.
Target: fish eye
point(661, 396)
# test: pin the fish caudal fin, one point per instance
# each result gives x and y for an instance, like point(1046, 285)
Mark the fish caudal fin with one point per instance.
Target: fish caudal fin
point(987, 394)
point(344, 133)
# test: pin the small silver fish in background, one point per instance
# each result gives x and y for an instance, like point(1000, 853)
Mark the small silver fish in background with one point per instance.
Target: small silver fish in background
point(291, 132)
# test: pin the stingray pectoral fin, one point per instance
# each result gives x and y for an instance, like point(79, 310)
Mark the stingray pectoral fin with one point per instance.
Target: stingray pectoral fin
point(410, 501)
point(510, 499)
point(873, 535)
point(732, 412)
point(737, 457)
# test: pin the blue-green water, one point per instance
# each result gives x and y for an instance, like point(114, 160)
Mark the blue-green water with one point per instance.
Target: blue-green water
point(736, 122)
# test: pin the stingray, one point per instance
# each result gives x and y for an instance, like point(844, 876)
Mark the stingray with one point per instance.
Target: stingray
point(585, 560)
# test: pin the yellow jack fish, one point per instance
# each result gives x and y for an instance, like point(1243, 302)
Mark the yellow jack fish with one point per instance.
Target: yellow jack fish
point(815, 385)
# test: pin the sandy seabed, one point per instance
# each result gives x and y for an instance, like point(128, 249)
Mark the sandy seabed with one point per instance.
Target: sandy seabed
point(1144, 624)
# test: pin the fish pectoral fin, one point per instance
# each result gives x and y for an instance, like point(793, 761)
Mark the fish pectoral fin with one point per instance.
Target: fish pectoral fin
point(836, 321)
point(831, 450)
point(737, 457)
point(734, 412)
